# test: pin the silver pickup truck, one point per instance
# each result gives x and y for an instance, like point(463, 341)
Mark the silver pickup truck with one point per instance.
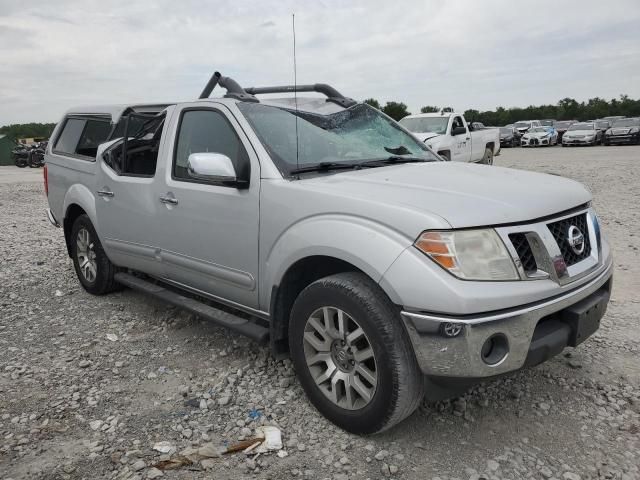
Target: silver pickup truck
point(325, 228)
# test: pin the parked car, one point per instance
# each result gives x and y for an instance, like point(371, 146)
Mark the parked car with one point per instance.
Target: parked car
point(539, 137)
point(548, 122)
point(603, 126)
point(582, 134)
point(562, 126)
point(328, 230)
point(509, 137)
point(626, 130)
point(524, 125)
point(448, 134)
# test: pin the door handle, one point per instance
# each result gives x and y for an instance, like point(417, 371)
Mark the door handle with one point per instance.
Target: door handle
point(468, 138)
point(105, 193)
point(169, 200)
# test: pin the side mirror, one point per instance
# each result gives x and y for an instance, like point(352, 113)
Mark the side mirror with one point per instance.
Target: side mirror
point(458, 131)
point(211, 167)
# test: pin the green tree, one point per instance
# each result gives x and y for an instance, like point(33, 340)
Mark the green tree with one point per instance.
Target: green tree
point(429, 109)
point(28, 130)
point(396, 110)
point(373, 102)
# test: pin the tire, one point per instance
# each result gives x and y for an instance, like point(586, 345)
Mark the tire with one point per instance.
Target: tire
point(487, 158)
point(395, 384)
point(21, 163)
point(94, 270)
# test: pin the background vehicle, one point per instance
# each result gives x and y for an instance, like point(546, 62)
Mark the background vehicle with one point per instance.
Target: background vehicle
point(524, 125)
point(36, 154)
point(548, 122)
point(448, 134)
point(625, 130)
point(20, 154)
point(509, 137)
point(603, 126)
point(334, 234)
point(562, 126)
point(582, 134)
point(539, 137)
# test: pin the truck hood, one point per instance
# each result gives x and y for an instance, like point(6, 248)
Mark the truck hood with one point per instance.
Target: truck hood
point(465, 195)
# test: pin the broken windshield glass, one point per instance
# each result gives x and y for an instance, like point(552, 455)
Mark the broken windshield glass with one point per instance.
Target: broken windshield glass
point(359, 133)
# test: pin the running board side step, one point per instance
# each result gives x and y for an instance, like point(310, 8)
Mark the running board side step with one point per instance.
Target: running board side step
point(219, 317)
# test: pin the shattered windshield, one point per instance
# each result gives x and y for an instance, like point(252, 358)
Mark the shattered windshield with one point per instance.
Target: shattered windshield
point(357, 134)
point(426, 124)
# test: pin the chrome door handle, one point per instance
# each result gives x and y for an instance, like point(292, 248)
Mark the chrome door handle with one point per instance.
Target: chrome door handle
point(169, 200)
point(105, 193)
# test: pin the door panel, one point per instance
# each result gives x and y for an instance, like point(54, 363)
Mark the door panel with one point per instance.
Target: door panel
point(126, 204)
point(461, 143)
point(209, 240)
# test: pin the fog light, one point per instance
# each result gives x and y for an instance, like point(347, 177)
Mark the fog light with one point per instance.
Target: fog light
point(451, 329)
point(495, 349)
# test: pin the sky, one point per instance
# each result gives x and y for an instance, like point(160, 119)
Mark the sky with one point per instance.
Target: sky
point(58, 54)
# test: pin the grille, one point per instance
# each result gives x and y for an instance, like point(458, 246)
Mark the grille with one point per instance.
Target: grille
point(523, 249)
point(560, 231)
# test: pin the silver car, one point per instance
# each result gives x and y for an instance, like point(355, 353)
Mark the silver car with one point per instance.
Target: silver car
point(324, 228)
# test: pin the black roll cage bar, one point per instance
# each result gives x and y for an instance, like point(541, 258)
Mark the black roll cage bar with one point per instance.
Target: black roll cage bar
point(234, 90)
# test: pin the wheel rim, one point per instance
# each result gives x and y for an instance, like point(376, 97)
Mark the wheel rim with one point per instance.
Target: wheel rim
point(340, 358)
point(86, 255)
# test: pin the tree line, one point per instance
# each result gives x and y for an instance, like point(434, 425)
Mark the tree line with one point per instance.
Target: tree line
point(565, 109)
point(27, 130)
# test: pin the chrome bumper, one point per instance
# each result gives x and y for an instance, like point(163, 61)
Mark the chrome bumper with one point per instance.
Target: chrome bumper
point(460, 356)
point(52, 219)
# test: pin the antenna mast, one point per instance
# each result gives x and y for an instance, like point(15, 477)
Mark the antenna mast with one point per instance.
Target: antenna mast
point(295, 86)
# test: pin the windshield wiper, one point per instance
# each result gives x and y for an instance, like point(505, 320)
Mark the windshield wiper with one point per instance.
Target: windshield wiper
point(325, 167)
point(392, 160)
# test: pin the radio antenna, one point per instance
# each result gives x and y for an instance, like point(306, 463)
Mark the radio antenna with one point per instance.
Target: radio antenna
point(295, 86)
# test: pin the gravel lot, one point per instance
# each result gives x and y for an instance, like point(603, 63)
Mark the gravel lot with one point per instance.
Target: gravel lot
point(88, 385)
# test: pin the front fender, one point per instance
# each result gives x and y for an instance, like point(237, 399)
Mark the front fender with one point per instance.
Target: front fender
point(83, 197)
point(365, 244)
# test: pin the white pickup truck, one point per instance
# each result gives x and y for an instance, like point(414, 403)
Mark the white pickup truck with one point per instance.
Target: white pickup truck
point(449, 135)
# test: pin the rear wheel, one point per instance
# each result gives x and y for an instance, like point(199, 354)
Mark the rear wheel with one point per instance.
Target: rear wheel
point(94, 270)
point(352, 355)
point(487, 158)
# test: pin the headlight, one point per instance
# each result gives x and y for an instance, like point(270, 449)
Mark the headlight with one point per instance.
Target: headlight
point(608, 132)
point(634, 130)
point(469, 254)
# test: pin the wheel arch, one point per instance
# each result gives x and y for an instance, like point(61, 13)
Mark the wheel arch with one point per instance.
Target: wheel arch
point(77, 201)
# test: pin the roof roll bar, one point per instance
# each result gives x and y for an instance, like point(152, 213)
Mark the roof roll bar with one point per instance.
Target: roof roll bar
point(234, 90)
point(332, 94)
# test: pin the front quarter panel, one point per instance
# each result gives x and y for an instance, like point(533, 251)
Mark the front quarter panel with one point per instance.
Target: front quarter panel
point(369, 246)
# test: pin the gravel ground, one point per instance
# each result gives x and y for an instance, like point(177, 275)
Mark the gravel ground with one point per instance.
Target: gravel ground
point(89, 385)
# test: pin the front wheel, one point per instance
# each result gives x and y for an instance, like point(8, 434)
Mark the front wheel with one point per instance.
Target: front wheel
point(94, 270)
point(352, 354)
point(487, 158)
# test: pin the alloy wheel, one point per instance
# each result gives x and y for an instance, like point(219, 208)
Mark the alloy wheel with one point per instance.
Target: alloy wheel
point(86, 255)
point(340, 358)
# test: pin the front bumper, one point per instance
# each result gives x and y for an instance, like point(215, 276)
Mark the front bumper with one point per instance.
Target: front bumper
point(462, 355)
point(536, 142)
point(632, 138)
point(578, 141)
